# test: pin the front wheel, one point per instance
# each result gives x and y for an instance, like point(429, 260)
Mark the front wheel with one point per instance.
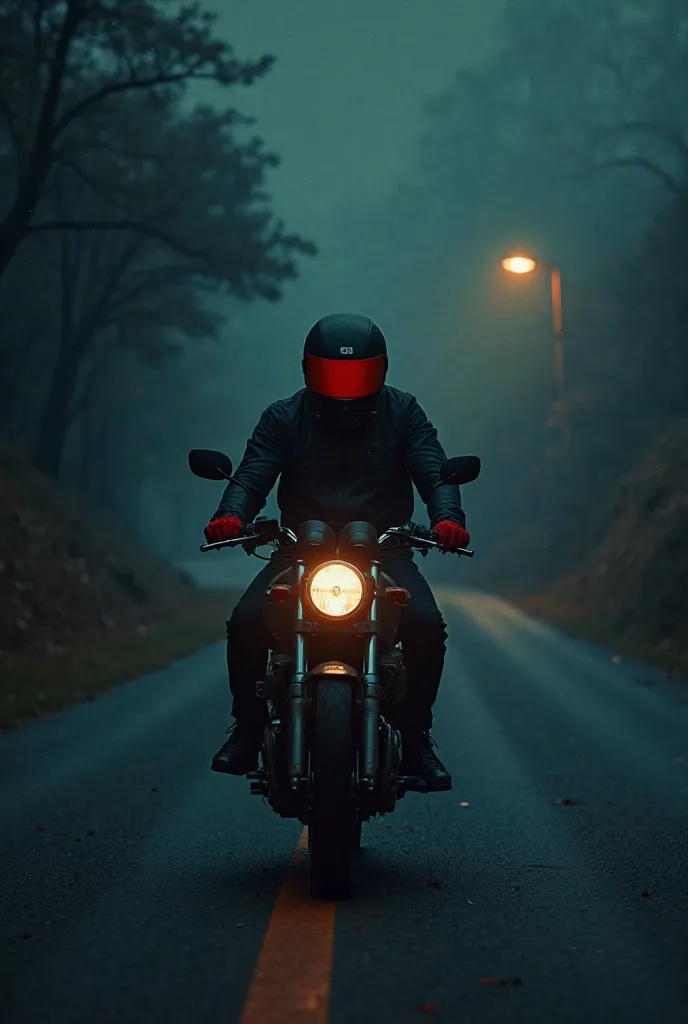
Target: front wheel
point(334, 833)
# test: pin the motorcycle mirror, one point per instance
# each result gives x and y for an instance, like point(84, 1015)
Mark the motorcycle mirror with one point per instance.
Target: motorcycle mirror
point(209, 464)
point(461, 470)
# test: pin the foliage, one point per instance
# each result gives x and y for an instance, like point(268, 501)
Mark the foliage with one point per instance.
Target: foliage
point(135, 213)
point(67, 63)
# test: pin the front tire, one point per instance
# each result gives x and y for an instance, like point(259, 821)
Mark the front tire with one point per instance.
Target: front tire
point(334, 834)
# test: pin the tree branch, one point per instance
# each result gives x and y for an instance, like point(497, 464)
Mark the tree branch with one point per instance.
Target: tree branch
point(162, 278)
point(98, 186)
point(119, 225)
point(641, 163)
point(129, 154)
point(129, 84)
point(670, 135)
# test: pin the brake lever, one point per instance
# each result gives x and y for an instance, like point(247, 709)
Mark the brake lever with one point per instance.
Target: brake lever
point(219, 544)
point(232, 543)
point(250, 541)
point(419, 537)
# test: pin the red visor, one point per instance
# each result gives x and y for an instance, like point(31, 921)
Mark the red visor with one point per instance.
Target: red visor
point(345, 378)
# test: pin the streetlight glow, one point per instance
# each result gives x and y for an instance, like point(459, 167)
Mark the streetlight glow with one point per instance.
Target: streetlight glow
point(519, 264)
point(526, 265)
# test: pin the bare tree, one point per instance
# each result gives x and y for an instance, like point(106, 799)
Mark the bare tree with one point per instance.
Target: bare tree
point(63, 65)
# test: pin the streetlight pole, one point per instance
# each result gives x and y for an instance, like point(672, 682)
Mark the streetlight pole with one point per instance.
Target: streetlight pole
point(526, 265)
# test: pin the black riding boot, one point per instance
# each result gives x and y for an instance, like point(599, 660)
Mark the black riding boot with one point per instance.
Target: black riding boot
point(238, 755)
point(419, 759)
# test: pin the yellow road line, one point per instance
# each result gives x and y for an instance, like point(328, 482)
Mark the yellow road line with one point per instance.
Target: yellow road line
point(291, 982)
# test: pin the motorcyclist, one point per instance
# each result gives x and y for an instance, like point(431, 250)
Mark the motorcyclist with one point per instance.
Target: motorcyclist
point(345, 447)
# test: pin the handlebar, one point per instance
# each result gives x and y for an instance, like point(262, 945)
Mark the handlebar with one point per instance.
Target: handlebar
point(420, 537)
point(414, 535)
point(252, 536)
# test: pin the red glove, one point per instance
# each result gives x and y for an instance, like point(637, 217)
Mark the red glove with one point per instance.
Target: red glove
point(452, 535)
point(224, 528)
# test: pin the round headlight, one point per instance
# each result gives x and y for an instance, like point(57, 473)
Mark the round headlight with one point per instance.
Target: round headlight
point(336, 590)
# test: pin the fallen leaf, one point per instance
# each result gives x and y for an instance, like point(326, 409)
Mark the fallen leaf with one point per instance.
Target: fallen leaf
point(429, 1008)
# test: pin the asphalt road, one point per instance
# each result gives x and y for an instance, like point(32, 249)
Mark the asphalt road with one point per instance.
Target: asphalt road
point(136, 885)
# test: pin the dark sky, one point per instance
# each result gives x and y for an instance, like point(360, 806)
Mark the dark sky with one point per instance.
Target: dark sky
point(341, 105)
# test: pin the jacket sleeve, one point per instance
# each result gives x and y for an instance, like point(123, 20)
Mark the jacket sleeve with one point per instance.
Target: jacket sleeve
point(262, 463)
point(425, 456)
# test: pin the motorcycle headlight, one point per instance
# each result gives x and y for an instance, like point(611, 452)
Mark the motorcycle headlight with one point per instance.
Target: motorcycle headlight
point(336, 590)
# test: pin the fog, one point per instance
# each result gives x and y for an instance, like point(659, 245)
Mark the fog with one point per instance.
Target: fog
point(418, 144)
point(343, 108)
point(342, 105)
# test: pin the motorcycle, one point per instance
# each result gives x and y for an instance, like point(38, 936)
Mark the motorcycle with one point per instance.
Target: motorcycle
point(335, 676)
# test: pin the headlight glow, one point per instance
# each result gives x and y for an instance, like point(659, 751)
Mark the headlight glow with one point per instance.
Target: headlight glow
point(336, 590)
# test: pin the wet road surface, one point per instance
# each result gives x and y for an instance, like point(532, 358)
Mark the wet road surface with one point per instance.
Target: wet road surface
point(136, 885)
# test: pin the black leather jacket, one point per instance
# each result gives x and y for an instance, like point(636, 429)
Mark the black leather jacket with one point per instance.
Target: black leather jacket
point(366, 473)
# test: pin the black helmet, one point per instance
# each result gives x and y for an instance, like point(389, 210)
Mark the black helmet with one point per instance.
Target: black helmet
point(345, 358)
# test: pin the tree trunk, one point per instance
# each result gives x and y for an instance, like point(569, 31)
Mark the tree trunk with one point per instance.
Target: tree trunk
point(56, 414)
point(88, 426)
point(14, 228)
point(8, 393)
point(13, 232)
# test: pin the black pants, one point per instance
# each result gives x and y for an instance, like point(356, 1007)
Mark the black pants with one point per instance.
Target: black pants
point(423, 636)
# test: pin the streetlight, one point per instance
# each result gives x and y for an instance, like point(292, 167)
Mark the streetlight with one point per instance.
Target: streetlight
point(519, 264)
point(526, 265)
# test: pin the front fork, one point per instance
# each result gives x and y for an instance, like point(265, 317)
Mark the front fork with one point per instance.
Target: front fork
point(298, 702)
point(369, 747)
point(368, 754)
